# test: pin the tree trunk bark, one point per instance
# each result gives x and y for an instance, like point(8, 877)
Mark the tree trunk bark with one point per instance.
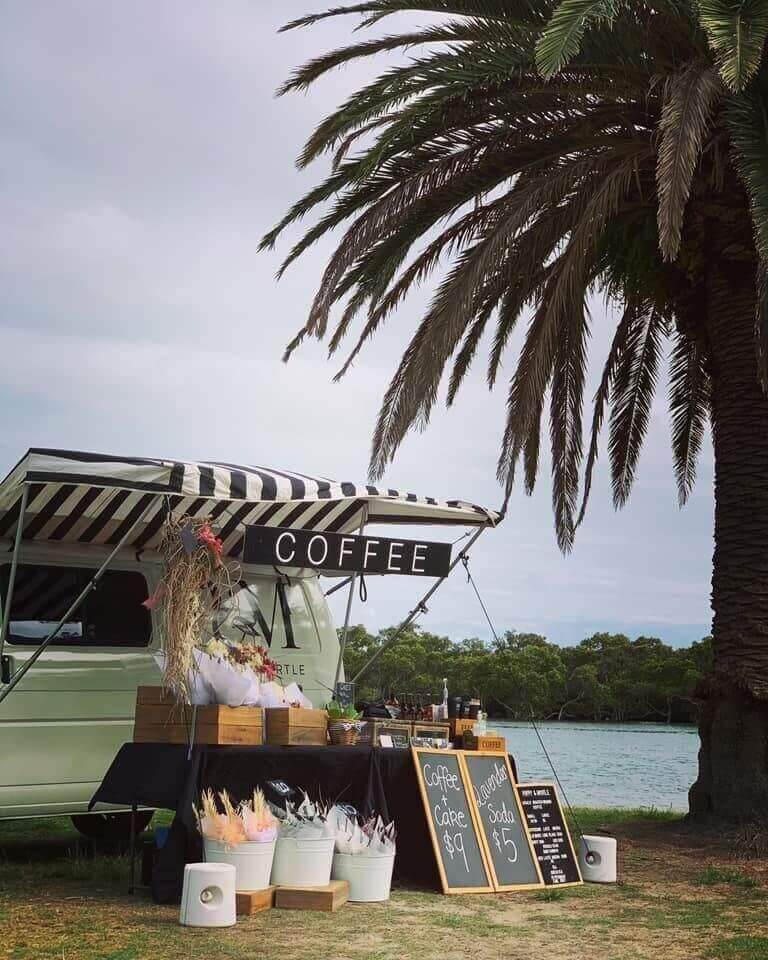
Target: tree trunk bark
point(733, 725)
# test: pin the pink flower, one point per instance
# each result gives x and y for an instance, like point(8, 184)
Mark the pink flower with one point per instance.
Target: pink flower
point(152, 601)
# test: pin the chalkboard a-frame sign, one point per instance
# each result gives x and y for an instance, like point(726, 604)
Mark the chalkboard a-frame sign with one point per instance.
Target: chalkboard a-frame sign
point(455, 832)
point(504, 831)
point(549, 834)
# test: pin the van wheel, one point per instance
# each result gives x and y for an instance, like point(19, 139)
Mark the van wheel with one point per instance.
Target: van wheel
point(111, 828)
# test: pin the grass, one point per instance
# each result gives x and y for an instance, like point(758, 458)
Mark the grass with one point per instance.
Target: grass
point(680, 897)
point(712, 875)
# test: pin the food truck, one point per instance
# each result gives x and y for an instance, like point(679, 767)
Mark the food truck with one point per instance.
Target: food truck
point(79, 535)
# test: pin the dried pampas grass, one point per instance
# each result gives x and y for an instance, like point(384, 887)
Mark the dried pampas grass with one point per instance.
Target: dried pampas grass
point(195, 583)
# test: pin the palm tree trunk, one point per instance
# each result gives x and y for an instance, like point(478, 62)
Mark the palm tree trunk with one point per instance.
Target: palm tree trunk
point(733, 726)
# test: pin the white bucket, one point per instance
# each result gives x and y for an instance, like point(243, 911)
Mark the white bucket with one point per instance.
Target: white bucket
point(370, 877)
point(252, 861)
point(303, 863)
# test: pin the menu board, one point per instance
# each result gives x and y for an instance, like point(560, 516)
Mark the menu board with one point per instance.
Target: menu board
point(549, 834)
point(508, 847)
point(455, 834)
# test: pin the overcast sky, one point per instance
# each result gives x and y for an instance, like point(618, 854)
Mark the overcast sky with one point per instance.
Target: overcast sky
point(143, 155)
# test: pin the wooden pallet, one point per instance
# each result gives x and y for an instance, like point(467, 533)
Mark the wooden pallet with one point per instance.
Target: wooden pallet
point(325, 899)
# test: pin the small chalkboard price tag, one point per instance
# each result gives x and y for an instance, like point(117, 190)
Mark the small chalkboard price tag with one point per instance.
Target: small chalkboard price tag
point(504, 829)
point(549, 834)
point(455, 833)
point(345, 693)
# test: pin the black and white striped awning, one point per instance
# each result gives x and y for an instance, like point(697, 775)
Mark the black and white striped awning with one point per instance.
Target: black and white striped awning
point(93, 498)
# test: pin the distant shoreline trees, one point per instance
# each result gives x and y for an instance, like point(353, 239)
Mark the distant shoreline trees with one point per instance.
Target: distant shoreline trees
point(605, 677)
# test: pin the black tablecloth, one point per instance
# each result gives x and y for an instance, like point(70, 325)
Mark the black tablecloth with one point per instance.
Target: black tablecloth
point(168, 776)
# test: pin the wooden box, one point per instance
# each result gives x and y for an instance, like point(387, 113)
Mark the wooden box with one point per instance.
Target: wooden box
point(327, 899)
point(459, 726)
point(296, 726)
point(254, 901)
point(490, 742)
point(373, 729)
point(432, 728)
point(161, 719)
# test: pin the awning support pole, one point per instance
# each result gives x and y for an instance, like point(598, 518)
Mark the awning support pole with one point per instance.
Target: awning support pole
point(348, 614)
point(419, 608)
point(91, 585)
point(5, 617)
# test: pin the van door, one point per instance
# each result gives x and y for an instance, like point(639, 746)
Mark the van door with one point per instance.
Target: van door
point(63, 724)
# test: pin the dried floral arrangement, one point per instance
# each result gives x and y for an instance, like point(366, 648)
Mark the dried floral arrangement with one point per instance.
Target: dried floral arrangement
point(371, 838)
point(251, 821)
point(195, 583)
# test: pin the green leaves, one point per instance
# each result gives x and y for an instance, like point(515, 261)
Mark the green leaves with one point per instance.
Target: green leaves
point(561, 39)
point(737, 31)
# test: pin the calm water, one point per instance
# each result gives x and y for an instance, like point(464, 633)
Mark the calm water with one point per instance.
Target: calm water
point(609, 765)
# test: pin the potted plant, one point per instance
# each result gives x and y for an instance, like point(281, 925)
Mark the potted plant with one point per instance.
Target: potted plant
point(343, 723)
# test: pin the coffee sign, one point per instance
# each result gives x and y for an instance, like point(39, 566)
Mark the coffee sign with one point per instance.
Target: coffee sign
point(455, 834)
point(344, 553)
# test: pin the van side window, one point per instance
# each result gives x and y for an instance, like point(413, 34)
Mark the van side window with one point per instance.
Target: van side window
point(112, 615)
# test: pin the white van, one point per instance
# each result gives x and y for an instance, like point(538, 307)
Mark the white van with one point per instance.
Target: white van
point(62, 725)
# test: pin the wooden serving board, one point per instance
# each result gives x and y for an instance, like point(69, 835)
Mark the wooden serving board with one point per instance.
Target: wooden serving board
point(160, 719)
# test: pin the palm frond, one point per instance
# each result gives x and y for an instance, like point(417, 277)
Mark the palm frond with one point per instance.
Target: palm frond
point(632, 398)
point(689, 404)
point(561, 38)
point(689, 102)
point(737, 31)
point(621, 335)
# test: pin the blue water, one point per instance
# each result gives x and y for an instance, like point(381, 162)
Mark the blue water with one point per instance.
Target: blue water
point(609, 765)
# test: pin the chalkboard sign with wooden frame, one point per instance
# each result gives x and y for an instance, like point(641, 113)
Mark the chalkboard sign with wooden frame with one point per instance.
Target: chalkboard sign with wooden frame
point(504, 829)
point(451, 819)
point(550, 837)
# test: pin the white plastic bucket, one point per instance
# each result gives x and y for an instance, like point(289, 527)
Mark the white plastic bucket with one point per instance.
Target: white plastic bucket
point(303, 863)
point(597, 859)
point(370, 878)
point(252, 861)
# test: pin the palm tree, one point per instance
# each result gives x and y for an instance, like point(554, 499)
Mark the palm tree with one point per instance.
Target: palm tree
point(547, 150)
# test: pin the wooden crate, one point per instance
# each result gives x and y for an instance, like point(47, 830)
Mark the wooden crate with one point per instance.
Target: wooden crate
point(327, 899)
point(432, 728)
point(254, 901)
point(490, 742)
point(160, 719)
point(296, 726)
point(459, 726)
point(373, 729)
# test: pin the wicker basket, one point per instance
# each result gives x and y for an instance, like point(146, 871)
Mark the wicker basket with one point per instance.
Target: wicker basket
point(342, 733)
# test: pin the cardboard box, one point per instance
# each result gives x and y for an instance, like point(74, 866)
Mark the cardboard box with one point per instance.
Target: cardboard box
point(161, 719)
point(296, 726)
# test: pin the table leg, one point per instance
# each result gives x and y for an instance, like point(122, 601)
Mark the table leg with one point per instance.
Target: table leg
point(132, 853)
